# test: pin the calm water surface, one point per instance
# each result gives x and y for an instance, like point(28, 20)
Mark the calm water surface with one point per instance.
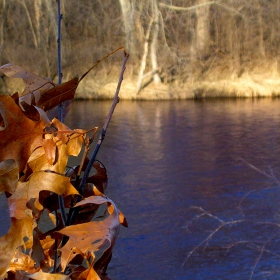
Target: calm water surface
point(164, 158)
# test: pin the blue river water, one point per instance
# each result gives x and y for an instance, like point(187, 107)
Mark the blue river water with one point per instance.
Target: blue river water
point(198, 184)
point(181, 172)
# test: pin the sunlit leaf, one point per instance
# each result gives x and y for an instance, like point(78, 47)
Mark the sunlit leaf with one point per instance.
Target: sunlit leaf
point(94, 236)
point(46, 276)
point(20, 135)
point(21, 261)
point(40, 181)
point(40, 161)
point(89, 274)
point(19, 229)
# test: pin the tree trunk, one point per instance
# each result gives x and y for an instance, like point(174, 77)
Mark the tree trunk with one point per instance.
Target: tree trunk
point(200, 47)
point(260, 30)
point(144, 59)
point(154, 43)
point(3, 21)
point(129, 26)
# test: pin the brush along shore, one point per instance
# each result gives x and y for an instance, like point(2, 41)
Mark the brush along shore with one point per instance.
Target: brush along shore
point(249, 86)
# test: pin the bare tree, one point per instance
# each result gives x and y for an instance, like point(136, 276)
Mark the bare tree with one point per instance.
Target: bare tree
point(178, 40)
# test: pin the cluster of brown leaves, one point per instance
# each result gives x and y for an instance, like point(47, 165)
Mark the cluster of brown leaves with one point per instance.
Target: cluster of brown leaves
point(34, 152)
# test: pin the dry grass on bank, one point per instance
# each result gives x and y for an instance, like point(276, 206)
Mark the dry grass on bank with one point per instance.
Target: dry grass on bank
point(245, 86)
point(242, 87)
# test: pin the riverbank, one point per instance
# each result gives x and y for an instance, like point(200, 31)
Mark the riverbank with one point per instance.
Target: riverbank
point(243, 87)
point(247, 86)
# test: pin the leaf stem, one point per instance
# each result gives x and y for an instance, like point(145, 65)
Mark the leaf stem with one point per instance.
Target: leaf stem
point(59, 18)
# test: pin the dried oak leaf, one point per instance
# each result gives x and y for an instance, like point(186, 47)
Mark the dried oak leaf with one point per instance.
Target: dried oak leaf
point(20, 135)
point(33, 83)
point(22, 220)
point(20, 229)
point(40, 181)
point(58, 94)
point(40, 91)
point(94, 236)
point(68, 142)
point(46, 276)
point(21, 261)
point(89, 274)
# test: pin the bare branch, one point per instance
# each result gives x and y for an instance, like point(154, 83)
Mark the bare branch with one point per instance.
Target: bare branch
point(193, 8)
point(186, 9)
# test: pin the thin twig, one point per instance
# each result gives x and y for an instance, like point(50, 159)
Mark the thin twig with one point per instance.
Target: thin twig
point(98, 61)
point(60, 117)
point(59, 68)
point(87, 143)
point(106, 124)
point(72, 214)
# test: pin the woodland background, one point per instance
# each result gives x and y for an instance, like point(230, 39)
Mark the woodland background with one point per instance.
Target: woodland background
point(178, 48)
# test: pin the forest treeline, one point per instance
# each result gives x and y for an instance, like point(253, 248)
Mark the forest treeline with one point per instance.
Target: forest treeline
point(178, 49)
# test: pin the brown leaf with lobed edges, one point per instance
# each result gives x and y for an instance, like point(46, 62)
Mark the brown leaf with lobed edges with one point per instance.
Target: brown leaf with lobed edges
point(20, 229)
point(33, 83)
point(46, 276)
point(20, 135)
point(21, 261)
point(92, 236)
point(89, 274)
point(22, 220)
point(58, 94)
point(40, 91)
point(40, 181)
point(39, 159)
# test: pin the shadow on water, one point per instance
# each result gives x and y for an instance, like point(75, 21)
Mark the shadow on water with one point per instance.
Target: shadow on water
point(165, 157)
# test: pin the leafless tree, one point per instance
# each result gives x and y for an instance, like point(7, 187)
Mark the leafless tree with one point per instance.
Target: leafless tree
point(168, 41)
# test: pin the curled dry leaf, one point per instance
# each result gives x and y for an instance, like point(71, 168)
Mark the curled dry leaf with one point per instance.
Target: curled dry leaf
point(89, 274)
point(40, 181)
point(33, 83)
point(58, 94)
point(94, 236)
point(21, 135)
point(32, 144)
point(40, 161)
point(22, 261)
point(14, 238)
point(40, 91)
point(46, 276)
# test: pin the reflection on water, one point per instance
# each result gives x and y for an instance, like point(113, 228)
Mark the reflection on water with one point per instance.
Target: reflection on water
point(165, 157)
